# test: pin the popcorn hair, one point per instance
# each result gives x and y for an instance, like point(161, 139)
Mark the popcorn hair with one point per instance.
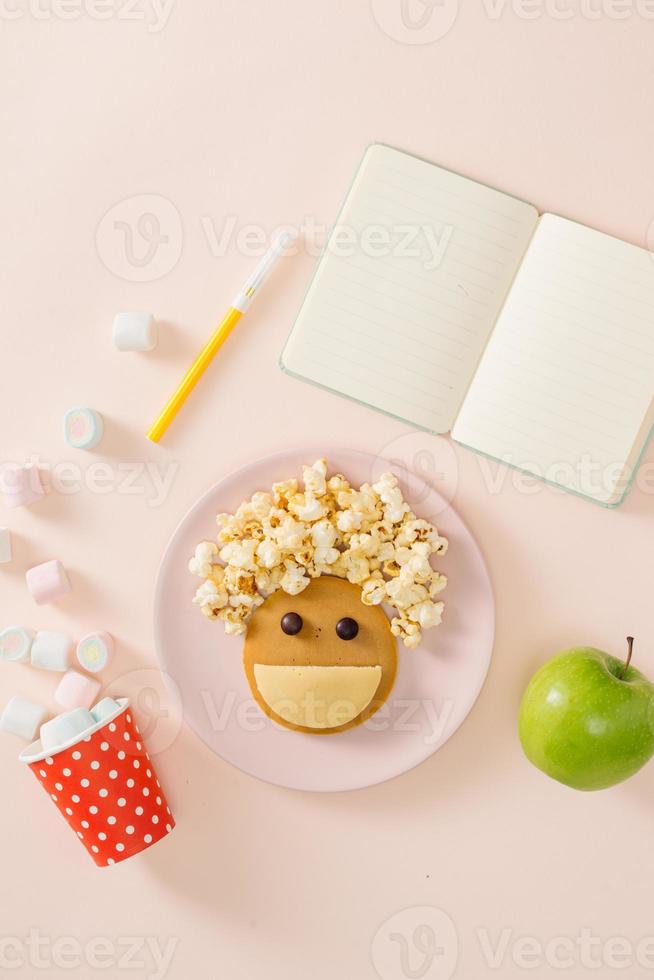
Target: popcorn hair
point(285, 538)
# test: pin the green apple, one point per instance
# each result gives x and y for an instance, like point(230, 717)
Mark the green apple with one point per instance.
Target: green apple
point(587, 718)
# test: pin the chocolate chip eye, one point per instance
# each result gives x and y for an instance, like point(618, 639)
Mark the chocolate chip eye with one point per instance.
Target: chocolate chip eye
point(291, 624)
point(347, 629)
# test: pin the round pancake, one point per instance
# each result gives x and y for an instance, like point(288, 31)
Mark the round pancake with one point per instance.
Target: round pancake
point(321, 605)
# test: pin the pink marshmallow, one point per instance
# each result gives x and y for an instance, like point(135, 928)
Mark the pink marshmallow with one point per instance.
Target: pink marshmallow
point(21, 486)
point(47, 582)
point(76, 690)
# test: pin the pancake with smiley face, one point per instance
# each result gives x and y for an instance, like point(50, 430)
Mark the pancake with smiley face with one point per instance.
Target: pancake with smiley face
point(320, 662)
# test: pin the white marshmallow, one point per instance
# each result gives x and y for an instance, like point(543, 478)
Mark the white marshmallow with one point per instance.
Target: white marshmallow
point(15, 644)
point(135, 332)
point(83, 427)
point(22, 717)
point(21, 485)
point(104, 709)
point(51, 651)
point(67, 727)
point(5, 545)
point(76, 690)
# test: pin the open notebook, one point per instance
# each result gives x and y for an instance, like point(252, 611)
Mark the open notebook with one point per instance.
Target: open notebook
point(453, 306)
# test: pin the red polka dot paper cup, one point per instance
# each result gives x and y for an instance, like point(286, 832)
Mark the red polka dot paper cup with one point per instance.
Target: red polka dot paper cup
point(103, 782)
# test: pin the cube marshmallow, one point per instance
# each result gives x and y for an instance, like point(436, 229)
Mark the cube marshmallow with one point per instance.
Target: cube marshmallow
point(135, 332)
point(76, 690)
point(5, 545)
point(47, 582)
point(22, 717)
point(51, 651)
point(21, 485)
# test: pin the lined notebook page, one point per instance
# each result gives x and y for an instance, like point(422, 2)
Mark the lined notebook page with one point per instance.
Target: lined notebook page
point(408, 288)
point(566, 385)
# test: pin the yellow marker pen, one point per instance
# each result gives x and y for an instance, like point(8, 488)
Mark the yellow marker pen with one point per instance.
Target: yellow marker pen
point(220, 335)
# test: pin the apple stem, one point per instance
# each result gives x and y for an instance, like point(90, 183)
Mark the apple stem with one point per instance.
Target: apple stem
point(630, 650)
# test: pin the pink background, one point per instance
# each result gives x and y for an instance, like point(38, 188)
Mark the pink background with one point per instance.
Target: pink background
point(262, 111)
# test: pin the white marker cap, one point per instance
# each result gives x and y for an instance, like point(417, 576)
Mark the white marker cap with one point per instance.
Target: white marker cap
point(283, 241)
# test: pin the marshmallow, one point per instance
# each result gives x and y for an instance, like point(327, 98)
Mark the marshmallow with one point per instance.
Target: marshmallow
point(83, 427)
point(22, 717)
point(15, 644)
point(135, 331)
point(104, 709)
point(5, 545)
point(47, 582)
point(65, 728)
point(76, 690)
point(22, 485)
point(51, 651)
point(95, 651)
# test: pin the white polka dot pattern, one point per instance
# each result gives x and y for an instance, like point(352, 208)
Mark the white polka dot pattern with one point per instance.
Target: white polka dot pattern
point(108, 792)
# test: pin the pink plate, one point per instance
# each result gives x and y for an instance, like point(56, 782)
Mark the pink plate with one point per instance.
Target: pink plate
point(436, 685)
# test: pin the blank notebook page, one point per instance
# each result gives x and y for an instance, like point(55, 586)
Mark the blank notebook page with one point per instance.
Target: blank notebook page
point(566, 385)
point(409, 287)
